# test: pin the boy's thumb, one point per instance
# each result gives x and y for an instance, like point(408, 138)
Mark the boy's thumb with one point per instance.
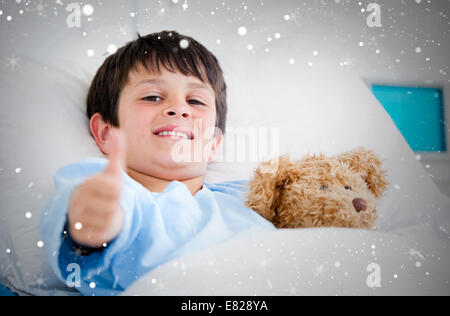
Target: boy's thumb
point(117, 152)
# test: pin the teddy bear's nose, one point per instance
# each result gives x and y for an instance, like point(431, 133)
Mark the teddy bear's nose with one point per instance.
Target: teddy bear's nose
point(360, 205)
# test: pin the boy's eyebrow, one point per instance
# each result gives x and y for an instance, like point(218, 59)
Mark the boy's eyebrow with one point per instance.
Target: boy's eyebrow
point(164, 83)
point(153, 81)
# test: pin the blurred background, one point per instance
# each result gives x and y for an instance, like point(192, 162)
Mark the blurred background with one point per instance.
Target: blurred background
point(399, 48)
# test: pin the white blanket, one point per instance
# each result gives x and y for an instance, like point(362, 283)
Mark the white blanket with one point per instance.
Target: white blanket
point(322, 261)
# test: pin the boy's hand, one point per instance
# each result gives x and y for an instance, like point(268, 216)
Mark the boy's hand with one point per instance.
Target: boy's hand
point(95, 216)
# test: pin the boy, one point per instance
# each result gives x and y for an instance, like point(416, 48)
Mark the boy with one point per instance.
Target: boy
point(151, 104)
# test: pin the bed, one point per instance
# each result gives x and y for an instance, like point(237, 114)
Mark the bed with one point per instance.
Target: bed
point(325, 108)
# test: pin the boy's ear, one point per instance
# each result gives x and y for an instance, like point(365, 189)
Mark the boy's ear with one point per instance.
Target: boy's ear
point(267, 184)
point(100, 131)
point(369, 165)
point(215, 147)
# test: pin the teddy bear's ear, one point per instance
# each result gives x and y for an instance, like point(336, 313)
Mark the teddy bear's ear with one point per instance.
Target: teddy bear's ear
point(370, 166)
point(268, 182)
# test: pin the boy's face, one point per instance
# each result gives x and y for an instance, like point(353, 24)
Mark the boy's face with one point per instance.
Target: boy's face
point(151, 103)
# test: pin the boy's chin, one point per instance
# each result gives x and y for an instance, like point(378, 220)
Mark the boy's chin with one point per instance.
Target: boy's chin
point(183, 163)
point(179, 170)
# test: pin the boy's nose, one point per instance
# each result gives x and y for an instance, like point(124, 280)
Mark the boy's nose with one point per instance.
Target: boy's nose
point(177, 111)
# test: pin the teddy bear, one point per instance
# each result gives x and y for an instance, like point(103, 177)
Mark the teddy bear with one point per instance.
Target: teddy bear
point(319, 191)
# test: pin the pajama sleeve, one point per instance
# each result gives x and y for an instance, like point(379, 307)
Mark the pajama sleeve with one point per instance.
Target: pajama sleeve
point(74, 268)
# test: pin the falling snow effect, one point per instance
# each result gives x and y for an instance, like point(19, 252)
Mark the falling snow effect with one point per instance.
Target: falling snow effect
point(39, 7)
point(40, 281)
point(13, 62)
point(385, 51)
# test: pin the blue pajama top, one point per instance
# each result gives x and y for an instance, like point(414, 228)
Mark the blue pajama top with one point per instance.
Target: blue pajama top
point(158, 227)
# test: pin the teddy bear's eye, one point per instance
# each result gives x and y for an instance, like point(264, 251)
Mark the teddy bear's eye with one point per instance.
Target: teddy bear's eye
point(347, 187)
point(323, 188)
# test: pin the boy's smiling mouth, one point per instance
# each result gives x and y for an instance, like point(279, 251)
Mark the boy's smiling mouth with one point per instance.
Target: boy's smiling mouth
point(174, 132)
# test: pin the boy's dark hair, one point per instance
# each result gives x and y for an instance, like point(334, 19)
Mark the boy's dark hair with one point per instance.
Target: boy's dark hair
point(152, 51)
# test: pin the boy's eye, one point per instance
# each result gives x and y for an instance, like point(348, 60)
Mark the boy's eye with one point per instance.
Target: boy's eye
point(196, 102)
point(323, 188)
point(151, 98)
point(155, 98)
point(347, 187)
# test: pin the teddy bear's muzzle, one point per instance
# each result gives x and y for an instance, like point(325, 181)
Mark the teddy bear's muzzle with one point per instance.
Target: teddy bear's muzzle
point(360, 205)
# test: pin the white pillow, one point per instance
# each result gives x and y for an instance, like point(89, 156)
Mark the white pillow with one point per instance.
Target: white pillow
point(43, 127)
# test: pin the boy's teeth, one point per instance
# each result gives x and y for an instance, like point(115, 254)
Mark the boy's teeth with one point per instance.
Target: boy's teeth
point(166, 133)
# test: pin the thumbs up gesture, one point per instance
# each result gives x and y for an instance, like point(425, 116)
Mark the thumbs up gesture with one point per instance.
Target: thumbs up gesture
point(94, 215)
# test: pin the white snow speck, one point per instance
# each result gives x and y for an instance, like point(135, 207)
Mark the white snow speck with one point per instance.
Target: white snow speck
point(184, 44)
point(28, 215)
point(18, 170)
point(13, 62)
point(92, 285)
point(88, 10)
point(78, 226)
point(90, 52)
point(112, 49)
point(242, 30)
point(40, 244)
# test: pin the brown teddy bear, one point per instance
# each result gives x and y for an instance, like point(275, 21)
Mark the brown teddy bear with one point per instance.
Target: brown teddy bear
point(318, 191)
